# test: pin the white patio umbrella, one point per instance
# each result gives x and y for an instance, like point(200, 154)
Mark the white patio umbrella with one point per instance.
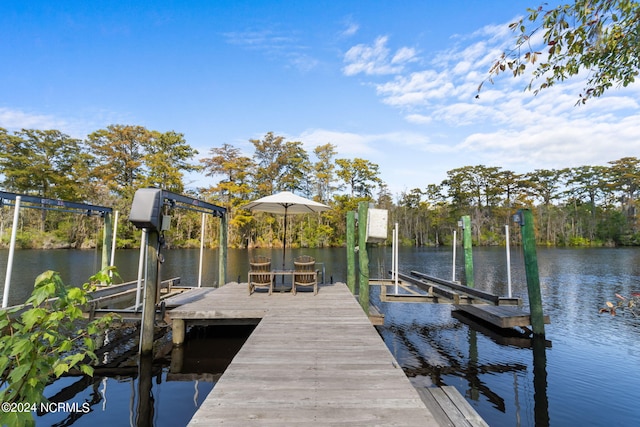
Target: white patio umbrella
point(285, 203)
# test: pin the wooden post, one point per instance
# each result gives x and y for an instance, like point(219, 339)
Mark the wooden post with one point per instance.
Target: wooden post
point(468, 250)
point(107, 238)
point(178, 329)
point(363, 257)
point(149, 303)
point(222, 254)
point(531, 269)
point(351, 251)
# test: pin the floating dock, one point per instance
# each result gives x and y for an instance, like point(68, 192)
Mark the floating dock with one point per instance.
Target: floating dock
point(311, 359)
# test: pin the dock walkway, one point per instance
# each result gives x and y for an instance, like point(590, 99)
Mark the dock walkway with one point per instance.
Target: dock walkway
point(310, 360)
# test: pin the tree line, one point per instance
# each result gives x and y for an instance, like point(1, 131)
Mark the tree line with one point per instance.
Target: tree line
point(586, 205)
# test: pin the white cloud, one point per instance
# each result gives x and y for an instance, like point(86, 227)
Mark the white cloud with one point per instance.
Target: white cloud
point(347, 143)
point(277, 44)
point(506, 126)
point(375, 59)
point(351, 30)
point(16, 120)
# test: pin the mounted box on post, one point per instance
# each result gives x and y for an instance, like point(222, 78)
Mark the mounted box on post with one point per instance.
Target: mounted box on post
point(377, 225)
point(146, 208)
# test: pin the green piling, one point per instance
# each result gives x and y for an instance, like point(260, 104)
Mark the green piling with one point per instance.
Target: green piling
point(363, 257)
point(351, 251)
point(468, 250)
point(531, 269)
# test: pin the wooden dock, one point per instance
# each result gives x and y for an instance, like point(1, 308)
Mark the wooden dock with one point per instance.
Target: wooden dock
point(311, 359)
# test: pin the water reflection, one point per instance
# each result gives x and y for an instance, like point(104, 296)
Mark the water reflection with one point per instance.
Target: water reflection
point(508, 382)
point(144, 410)
point(541, 400)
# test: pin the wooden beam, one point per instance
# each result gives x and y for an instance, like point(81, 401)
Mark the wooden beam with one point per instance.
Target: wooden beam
point(493, 299)
point(500, 316)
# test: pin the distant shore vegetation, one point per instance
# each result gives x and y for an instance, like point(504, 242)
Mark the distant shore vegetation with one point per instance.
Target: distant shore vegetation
point(578, 206)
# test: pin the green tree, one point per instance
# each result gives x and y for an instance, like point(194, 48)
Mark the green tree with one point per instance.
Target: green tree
point(166, 159)
point(234, 189)
point(624, 178)
point(46, 163)
point(280, 165)
point(324, 170)
point(599, 36)
point(359, 175)
point(119, 153)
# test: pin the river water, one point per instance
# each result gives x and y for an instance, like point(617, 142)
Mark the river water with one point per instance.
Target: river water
point(587, 373)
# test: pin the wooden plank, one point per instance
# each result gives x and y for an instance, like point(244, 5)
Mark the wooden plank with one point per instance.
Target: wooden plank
point(464, 407)
point(452, 411)
point(434, 407)
point(501, 316)
point(494, 299)
point(453, 296)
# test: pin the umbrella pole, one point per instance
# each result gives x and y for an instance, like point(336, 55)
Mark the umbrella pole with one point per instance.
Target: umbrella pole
point(284, 240)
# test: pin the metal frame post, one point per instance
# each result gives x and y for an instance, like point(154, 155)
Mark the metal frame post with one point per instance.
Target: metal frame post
point(203, 224)
point(222, 261)
point(12, 248)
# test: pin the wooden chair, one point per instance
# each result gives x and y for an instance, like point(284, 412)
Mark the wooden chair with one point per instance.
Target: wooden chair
point(260, 274)
point(304, 273)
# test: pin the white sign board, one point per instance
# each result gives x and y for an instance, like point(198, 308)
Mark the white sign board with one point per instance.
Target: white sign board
point(377, 225)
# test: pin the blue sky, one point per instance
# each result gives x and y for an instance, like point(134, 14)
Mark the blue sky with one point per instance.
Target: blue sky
point(393, 82)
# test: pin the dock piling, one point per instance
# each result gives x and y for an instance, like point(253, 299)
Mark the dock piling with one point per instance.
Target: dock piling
point(468, 249)
point(150, 285)
point(351, 251)
point(525, 218)
point(363, 257)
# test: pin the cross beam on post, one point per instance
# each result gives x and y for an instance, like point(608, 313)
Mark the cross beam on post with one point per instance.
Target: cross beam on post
point(147, 214)
point(20, 201)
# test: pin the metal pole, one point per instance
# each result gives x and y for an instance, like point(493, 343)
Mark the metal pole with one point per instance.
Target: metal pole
point(453, 268)
point(202, 230)
point(395, 256)
point(223, 248)
point(114, 239)
point(141, 264)
point(12, 247)
point(506, 233)
point(106, 240)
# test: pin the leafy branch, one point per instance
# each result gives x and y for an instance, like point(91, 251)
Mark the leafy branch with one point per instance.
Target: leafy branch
point(601, 37)
point(46, 341)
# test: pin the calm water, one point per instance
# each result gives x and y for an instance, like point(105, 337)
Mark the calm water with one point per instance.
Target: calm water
point(588, 376)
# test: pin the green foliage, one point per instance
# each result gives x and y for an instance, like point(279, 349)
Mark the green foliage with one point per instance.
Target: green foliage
point(46, 341)
point(599, 36)
point(596, 204)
